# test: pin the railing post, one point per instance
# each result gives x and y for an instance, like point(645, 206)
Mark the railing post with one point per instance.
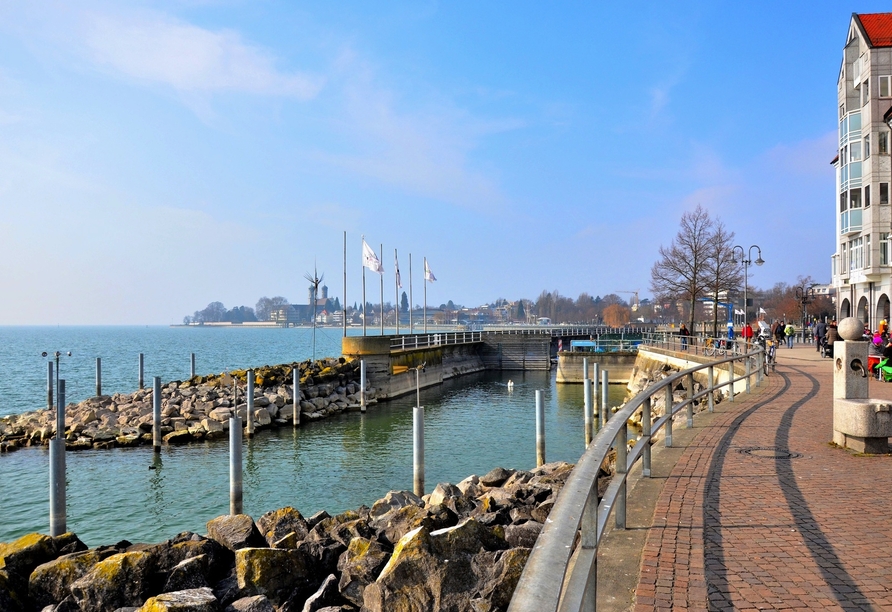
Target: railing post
point(668, 411)
point(249, 409)
point(587, 410)
point(690, 410)
point(156, 413)
point(731, 381)
point(748, 369)
point(760, 368)
point(622, 460)
point(646, 433)
point(711, 396)
point(540, 430)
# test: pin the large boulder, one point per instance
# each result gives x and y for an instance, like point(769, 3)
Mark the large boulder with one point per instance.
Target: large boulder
point(190, 600)
point(19, 558)
point(191, 573)
point(50, 583)
point(277, 524)
point(274, 572)
point(359, 567)
point(394, 500)
point(257, 603)
point(121, 580)
point(235, 532)
point(10, 600)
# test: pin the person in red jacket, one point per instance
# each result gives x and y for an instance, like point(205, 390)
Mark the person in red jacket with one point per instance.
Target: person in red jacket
point(747, 334)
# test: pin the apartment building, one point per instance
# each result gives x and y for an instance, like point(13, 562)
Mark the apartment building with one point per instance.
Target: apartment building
point(861, 264)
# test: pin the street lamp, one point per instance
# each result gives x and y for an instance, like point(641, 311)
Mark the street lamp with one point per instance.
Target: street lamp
point(804, 295)
point(746, 258)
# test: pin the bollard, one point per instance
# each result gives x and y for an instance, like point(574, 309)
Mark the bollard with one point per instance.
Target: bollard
point(711, 396)
point(191, 365)
point(622, 466)
point(418, 450)
point(587, 409)
point(141, 370)
point(605, 404)
point(362, 385)
point(540, 430)
point(690, 410)
point(98, 376)
point(668, 411)
point(295, 393)
point(235, 465)
point(57, 469)
point(646, 432)
point(156, 413)
point(249, 414)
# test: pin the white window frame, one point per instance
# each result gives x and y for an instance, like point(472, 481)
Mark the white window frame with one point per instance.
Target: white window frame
point(885, 88)
point(884, 248)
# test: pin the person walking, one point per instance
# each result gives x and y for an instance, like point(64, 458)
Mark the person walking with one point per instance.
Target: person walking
point(789, 331)
point(820, 334)
point(779, 333)
point(684, 333)
point(747, 334)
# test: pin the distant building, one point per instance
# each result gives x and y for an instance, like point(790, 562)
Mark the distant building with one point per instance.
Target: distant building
point(861, 262)
point(302, 314)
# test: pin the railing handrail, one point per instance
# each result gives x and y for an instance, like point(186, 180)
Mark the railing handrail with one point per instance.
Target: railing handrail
point(545, 583)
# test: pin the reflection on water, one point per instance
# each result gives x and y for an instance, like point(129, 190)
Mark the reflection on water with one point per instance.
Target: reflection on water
point(471, 426)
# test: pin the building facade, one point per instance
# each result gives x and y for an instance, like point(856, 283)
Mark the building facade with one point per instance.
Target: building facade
point(861, 264)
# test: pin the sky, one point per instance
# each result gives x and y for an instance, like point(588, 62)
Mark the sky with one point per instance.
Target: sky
point(159, 156)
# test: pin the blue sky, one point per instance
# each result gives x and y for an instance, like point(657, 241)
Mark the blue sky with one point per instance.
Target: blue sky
point(158, 156)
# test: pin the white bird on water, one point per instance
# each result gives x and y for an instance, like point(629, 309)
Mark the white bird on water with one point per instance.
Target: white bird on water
point(510, 385)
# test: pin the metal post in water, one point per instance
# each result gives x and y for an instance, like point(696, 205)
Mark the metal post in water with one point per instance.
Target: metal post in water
point(596, 398)
point(668, 411)
point(141, 370)
point(235, 465)
point(362, 385)
point(540, 429)
point(50, 384)
point(418, 450)
point(249, 415)
point(711, 396)
point(690, 410)
point(98, 376)
point(295, 392)
point(191, 365)
point(622, 454)
point(646, 433)
point(605, 403)
point(57, 469)
point(587, 409)
point(584, 368)
point(156, 411)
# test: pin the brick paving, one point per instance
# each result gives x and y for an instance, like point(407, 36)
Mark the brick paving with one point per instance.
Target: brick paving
point(762, 512)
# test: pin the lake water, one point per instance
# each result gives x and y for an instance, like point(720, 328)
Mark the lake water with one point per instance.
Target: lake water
point(471, 426)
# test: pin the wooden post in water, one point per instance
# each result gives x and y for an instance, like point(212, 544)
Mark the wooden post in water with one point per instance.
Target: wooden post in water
point(156, 411)
point(235, 464)
point(540, 429)
point(295, 395)
point(98, 376)
point(57, 469)
point(249, 413)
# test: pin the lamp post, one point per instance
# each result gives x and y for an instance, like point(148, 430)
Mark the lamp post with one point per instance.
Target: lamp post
point(746, 258)
point(805, 296)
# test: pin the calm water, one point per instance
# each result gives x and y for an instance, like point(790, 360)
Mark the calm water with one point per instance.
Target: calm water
point(471, 426)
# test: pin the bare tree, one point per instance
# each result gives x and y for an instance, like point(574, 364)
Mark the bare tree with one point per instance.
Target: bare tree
point(722, 272)
point(680, 274)
point(265, 306)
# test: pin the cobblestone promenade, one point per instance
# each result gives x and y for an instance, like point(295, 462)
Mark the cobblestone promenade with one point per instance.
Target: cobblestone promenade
point(762, 512)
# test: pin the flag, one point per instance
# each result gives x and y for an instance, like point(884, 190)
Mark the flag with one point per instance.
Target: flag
point(369, 259)
point(428, 275)
point(762, 310)
point(396, 265)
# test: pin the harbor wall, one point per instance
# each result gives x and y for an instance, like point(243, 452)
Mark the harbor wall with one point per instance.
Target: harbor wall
point(619, 365)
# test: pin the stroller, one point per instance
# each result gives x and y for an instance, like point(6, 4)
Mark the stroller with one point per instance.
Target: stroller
point(826, 348)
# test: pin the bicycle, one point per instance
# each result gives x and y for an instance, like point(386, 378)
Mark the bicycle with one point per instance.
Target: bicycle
point(721, 346)
point(769, 353)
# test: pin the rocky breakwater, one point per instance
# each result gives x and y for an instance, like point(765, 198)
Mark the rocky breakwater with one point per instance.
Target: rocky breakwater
point(194, 409)
point(460, 548)
point(644, 375)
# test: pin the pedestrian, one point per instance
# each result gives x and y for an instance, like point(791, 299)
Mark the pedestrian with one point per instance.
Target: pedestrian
point(789, 331)
point(779, 333)
point(820, 334)
point(684, 333)
point(747, 334)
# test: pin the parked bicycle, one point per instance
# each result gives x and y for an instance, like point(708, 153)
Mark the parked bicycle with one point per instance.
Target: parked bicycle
point(769, 356)
point(719, 346)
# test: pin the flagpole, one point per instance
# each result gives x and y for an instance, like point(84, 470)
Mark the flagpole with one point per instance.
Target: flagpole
point(411, 329)
point(381, 258)
point(364, 313)
point(396, 290)
point(424, 282)
point(344, 305)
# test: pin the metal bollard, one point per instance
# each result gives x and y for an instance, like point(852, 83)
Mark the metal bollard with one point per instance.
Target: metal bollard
point(98, 376)
point(142, 364)
point(668, 402)
point(235, 465)
point(646, 432)
point(191, 365)
point(362, 385)
point(690, 410)
point(587, 410)
point(418, 450)
point(605, 403)
point(540, 430)
point(156, 413)
point(622, 459)
point(57, 469)
point(249, 414)
point(295, 393)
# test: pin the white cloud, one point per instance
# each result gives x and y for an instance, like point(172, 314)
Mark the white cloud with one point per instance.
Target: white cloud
point(159, 49)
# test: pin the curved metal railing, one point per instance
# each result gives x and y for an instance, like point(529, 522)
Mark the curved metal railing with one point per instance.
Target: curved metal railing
point(561, 573)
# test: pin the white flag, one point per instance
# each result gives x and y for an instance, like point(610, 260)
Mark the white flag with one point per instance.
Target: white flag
point(369, 259)
point(396, 265)
point(428, 275)
point(762, 310)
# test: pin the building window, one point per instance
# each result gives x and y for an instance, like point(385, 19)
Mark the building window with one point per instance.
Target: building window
point(884, 248)
point(865, 92)
point(867, 146)
point(855, 151)
point(844, 259)
point(856, 254)
point(855, 198)
point(884, 142)
point(884, 193)
point(867, 197)
point(886, 87)
point(867, 251)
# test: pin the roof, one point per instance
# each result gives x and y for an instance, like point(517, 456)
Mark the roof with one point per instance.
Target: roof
point(877, 27)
